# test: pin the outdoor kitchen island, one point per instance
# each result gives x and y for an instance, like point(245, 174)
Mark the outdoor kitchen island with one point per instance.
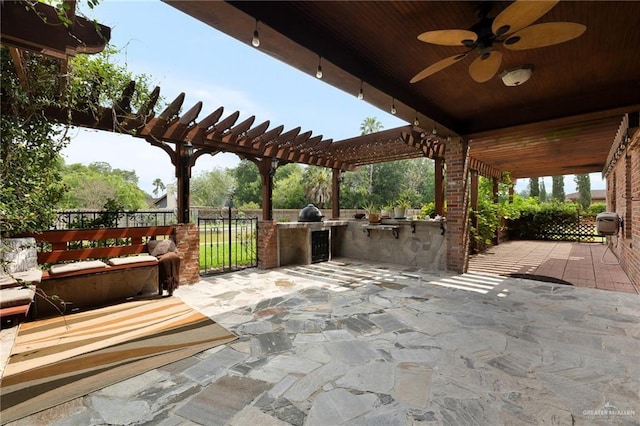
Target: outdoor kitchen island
point(304, 243)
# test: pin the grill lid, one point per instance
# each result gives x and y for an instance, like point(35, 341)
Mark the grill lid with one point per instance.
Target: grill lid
point(310, 214)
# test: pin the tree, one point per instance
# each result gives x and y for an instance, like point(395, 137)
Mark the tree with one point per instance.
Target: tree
point(31, 143)
point(211, 188)
point(543, 191)
point(287, 187)
point(355, 188)
point(557, 190)
point(93, 186)
point(370, 125)
point(248, 184)
point(534, 187)
point(158, 186)
point(583, 183)
point(316, 184)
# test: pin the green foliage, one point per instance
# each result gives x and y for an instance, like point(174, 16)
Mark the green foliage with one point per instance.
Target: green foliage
point(595, 209)
point(29, 152)
point(557, 190)
point(428, 210)
point(583, 183)
point(32, 186)
point(287, 188)
point(97, 81)
point(212, 188)
point(316, 184)
point(371, 208)
point(95, 185)
point(354, 190)
point(534, 217)
point(534, 187)
point(248, 184)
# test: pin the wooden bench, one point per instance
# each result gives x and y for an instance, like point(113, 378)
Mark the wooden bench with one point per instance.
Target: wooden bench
point(83, 271)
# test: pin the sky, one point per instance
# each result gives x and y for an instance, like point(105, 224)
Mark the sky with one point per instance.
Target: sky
point(181, 54)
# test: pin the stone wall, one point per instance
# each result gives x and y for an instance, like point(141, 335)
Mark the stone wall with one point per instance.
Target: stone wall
point(426, 248)
point(623, 197)
point(188, 244)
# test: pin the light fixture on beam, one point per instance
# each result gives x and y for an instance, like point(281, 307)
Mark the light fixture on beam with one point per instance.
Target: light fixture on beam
point(255, 41)
point(393, 106)
point(361, 93)
point(434, 131)
point(319, 70)
point(416, 122)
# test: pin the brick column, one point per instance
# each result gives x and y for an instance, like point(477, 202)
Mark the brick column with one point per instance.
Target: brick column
point(188, 243)
point(457, 195)
point(267, 244)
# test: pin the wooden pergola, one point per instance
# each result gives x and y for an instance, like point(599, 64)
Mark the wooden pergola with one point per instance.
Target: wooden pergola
point(185, 138)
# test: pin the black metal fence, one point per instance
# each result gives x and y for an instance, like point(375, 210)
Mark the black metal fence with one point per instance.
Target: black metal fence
point(90, 219)
point(583, 230)
point(227, 243)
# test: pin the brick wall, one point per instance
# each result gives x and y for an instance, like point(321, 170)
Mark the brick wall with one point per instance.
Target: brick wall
point(188, 243)
point(623, 197)
point(267, 245)
point(457, 196)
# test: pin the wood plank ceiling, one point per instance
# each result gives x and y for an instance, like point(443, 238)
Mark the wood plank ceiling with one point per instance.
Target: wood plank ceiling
point(563, 120)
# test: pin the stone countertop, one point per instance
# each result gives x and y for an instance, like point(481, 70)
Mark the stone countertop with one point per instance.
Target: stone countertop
point(313, 225)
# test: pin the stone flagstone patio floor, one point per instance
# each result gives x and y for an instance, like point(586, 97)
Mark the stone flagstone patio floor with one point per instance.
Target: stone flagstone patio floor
point(357, 343)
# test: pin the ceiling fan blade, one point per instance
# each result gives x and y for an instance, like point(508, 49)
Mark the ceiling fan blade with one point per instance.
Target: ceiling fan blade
point(449, 37)
point(440, 65)
point(520, 14)
point(485, 66)
point(541, 35)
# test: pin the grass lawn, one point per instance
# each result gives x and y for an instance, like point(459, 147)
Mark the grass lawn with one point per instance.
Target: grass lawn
point(216, 255)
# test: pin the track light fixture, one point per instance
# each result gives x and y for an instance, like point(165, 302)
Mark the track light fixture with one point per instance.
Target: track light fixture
point(319, 70)
point(416, 122)
point(393, 106)
point(255, 41)
point(434, 131)
point(360, 93)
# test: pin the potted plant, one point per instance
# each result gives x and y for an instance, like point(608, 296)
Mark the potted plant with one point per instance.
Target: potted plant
point(373, 212)
point(400, 209)
point(385, 212)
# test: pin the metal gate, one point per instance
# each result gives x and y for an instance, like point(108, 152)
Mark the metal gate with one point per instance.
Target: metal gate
point(228, 244)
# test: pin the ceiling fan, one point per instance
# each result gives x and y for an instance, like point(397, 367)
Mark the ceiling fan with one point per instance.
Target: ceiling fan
point(512, 27)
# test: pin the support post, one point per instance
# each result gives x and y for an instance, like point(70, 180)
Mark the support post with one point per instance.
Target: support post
point(266, 174)
point(457, 196)
point(335, 193)
point(183, 175)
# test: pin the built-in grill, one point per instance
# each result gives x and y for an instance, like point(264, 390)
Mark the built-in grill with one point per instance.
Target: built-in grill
point(310, 214)
point(319, 246)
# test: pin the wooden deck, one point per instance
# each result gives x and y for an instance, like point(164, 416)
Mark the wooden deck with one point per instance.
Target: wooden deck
point(578, 264)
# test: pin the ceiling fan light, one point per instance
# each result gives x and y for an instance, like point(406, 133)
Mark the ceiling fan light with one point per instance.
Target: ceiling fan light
point(516, 76)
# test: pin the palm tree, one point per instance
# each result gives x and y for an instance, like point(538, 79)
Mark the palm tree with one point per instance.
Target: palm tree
point(317, 185)
point(370, 125)
point(158, 186)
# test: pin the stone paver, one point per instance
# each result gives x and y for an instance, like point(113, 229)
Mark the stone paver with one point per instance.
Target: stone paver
point(358, 343)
